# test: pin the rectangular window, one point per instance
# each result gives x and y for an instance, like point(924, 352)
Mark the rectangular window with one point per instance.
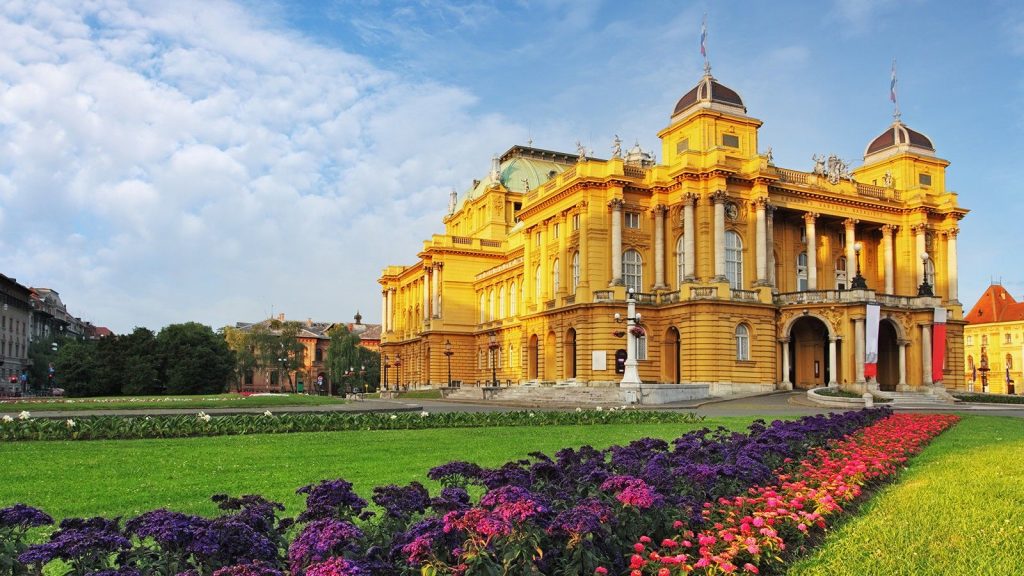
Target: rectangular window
point(1009, 338)
point(731, 140)
point(536, 238)
point(682, 146)
point(641, 348)
point(924, 179)
point(970, 340)
point(575, 222)
point(556, 229)
point(632, 220)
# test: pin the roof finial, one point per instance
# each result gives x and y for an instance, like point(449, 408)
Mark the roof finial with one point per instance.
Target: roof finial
point(703, 44)
point(892, 93)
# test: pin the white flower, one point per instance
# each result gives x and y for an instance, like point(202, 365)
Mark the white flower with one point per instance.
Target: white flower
point(578, 409)
point(424, 414)
point(7, 418)
point(623, 407)
point(599, 409)
point(70, 423)
point(267, 413)
point(532, 414)
point(203, 416)
point(393, 416)
point(147, 418)
point(24, 415)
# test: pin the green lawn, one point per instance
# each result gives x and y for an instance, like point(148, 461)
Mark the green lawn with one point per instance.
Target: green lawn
point(132, 476)
point(957, 509)
point(172, 401)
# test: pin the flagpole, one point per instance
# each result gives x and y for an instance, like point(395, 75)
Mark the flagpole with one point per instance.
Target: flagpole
point(892, 93)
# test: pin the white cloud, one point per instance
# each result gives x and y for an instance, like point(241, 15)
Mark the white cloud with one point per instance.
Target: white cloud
point(188, 161)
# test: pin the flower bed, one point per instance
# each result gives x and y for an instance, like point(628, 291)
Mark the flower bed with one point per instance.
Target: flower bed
point(25, 427)
point(752, 533)
point(574, 513)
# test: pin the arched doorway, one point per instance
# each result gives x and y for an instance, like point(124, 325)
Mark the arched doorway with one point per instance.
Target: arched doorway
point(549, 357)
point(569, 362)
point(888, 356)
point(670, 354)
point(532, 358)
point(808, 343)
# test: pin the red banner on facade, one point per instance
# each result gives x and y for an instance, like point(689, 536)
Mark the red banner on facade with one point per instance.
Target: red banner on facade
point(938, 344)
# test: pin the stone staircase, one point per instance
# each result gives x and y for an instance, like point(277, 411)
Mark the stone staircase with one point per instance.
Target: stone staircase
point(544, 395)
point(918, 399)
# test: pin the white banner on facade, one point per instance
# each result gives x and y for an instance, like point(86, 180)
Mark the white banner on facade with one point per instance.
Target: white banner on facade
point(871, 340)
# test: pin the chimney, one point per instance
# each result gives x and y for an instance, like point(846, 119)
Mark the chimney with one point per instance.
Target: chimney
point(280, 317)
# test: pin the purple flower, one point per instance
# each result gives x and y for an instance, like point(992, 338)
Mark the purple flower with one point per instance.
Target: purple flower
point(172, 530)
point(320, 540)
point(23, 516)
point(79, 540)
point(330, 499)
point(402, 502)
point(632, 492)
point(337, 567)
point(227, 541)
point(451, 498)
point(254, 569)
point(456, 473)
point(588, 517)
point(417, 544)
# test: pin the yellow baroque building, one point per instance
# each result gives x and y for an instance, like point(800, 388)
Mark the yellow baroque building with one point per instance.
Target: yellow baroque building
point(745, 274)
point(994, 344)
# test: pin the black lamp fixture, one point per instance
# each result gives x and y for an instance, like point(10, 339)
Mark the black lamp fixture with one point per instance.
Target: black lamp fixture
point(492, 340)
point(858, 283)
point(448, 353)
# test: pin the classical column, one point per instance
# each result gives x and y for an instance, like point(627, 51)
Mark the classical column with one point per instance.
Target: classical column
point(689, 241)
point(919, 231)
point(435, 272)
point(858, 349)
point(584, 246)
point(659, 247)
point(545, 266)
point(719, 199)
point(850, 228)
point(529, 263)
point(391, 310)
point(384, 311)
point(786, 384)
point(426, 293)
point(616, 205)
point(890, 277)
point(770, 218)
point(438, 270)
point(951, 274)
point(812, 251)
point(761, 240)
point(926, 354)
point(563, 263)
point(833, 381)
point(902, 384)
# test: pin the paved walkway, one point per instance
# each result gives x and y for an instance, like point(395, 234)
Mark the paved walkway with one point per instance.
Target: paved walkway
point(774, 404)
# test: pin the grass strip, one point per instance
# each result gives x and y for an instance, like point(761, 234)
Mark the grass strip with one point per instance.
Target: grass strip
point(165, 402)
point(126, 478)
point(958, 509)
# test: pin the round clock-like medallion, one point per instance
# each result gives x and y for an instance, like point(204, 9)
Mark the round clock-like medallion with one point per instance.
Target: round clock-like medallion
point(732, 211)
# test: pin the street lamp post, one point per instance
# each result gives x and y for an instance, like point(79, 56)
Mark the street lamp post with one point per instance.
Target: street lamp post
point(448, 354)
point(925, 289)
point(398, 372)
point(492, 345)
point(386, 364)
point(858, 283)
point(630, 376)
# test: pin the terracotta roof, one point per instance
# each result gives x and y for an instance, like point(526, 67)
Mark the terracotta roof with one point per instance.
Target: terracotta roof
point(995, 305)
point(372, 332)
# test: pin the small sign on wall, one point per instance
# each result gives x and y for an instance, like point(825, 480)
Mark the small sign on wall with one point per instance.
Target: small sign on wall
point(599, 360)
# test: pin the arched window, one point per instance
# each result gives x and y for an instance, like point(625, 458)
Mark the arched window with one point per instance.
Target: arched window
point(970, 362)
point(641, 346)
point(510, 357)
point(680, 261)
point(501, 302)
point(841, 276)
point(632, 270)
point(538, 284)
point(1009, 362)
point(742, 342)
point(575, 271)
point(483, 309)
point(554, 278)
point(734, 259)
point(801, 271)
point(490, 306)
point(512, 299)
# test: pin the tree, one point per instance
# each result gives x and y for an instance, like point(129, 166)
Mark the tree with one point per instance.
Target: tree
point(140, 363)
point(194, 359)
point(75, 368)
point(42, 354)
point(343, 353)
point(240, 342)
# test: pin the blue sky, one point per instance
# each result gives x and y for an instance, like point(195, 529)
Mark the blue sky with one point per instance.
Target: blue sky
point(218, 161)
